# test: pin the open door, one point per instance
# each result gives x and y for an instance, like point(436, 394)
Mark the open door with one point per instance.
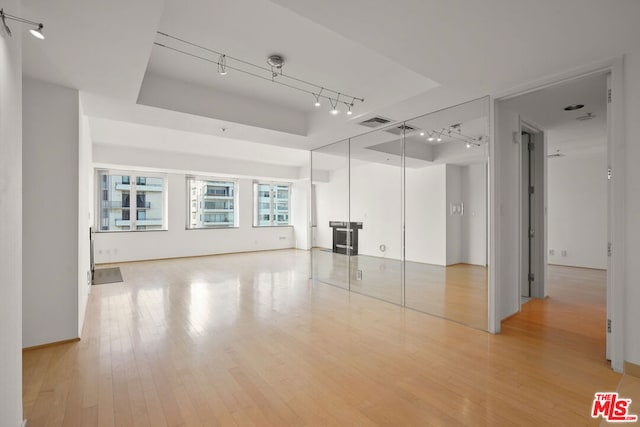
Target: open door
point(533, 202)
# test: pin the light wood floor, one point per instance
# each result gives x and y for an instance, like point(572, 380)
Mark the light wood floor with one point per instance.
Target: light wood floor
point(458, 292)
point(246, 339)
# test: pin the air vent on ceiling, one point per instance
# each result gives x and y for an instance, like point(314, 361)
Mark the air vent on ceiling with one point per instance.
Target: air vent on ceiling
point(586, 117)
point(398, 130)
point(374, 122)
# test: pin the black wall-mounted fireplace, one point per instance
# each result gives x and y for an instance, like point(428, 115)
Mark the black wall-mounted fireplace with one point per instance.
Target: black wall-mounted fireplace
point(341, 230)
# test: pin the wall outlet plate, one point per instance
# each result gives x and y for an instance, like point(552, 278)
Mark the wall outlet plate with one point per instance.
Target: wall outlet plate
point(358, 274)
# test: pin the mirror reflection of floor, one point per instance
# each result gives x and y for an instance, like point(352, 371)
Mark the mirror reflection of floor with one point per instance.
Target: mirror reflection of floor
point(457, 292)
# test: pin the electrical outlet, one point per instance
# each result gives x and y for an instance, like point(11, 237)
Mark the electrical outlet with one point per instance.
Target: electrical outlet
point(358, 274)
point(564, 252)
point(552, 251)
point(283, 238)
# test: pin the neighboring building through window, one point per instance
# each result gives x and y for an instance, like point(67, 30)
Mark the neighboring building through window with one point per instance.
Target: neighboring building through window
point(116, 211)
point(271, 204)
point(212, 203)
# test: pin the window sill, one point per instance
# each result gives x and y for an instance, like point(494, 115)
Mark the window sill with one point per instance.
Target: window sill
point(212, 228)
point(127, 231)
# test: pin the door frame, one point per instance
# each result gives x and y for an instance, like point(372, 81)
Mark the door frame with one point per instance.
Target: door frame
point(538, 259)
point(616, 152)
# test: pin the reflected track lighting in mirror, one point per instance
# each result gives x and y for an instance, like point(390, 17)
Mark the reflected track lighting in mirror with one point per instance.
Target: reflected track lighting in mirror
point(274, 73)
point(36, 32)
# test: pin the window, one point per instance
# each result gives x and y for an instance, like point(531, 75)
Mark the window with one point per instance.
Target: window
point(119, 191)
point(212, 203)
point(271, 204)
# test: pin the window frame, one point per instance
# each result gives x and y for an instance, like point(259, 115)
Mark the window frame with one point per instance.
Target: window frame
point(133, 178)
point(256, 203)
point(188, 204)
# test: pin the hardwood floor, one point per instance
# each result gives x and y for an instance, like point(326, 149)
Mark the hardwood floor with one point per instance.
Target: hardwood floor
point(246, 339)
point(457, 292)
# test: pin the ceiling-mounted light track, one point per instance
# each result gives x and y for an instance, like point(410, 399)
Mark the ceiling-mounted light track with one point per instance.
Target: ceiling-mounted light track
point(453, 132)
point(274, 73)
point(36, 32)
point(222, 65)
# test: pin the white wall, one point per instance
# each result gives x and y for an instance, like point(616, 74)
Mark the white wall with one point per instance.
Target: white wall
point(426, 215)
point(577, 209)
point(85, 194)
point(331, 204)
point(11, 224)
point(453, 220)
point(118, 155)
point(50, 213)
point(506, 267)
point(474, 221)
point(433, 236)
point(632, 250)
point(376, 201)
point(300, 214)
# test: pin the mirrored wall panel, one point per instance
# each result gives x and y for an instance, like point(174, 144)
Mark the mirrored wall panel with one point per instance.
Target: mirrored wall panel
point(376, 214)
point(446, 214)
point(400, 213)
point(330, 214)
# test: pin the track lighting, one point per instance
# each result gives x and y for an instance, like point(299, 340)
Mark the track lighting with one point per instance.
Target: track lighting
point(222, 65)
point(334, 107)
point(454, 132)
point(317, 96)
point(274, 73)
point(36, 32)
point(349, 112)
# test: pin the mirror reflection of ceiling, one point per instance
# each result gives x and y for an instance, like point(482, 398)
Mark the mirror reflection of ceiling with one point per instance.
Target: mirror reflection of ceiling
point(462, 130)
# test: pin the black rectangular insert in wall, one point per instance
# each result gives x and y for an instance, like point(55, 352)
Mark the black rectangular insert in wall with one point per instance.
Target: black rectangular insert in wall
point(341, 229)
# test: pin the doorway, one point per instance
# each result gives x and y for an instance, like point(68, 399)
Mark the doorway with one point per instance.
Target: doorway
point(563, 225)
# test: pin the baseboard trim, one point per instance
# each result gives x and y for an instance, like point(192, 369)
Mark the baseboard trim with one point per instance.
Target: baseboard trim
point(631, 369)
point(51, 344)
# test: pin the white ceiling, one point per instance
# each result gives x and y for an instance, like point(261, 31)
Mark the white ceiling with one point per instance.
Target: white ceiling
point(312, 52)
point(394, 54)
point(545, 109)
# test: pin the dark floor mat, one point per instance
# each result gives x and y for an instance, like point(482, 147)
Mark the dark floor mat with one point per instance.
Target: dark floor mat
point(107, 275)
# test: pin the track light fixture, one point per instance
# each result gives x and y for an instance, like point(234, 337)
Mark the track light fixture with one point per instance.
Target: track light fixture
point(453, 132)
point(36, 32)
point(334, 106)
point(273, 73)
point(222, 65)
point(317, 97)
